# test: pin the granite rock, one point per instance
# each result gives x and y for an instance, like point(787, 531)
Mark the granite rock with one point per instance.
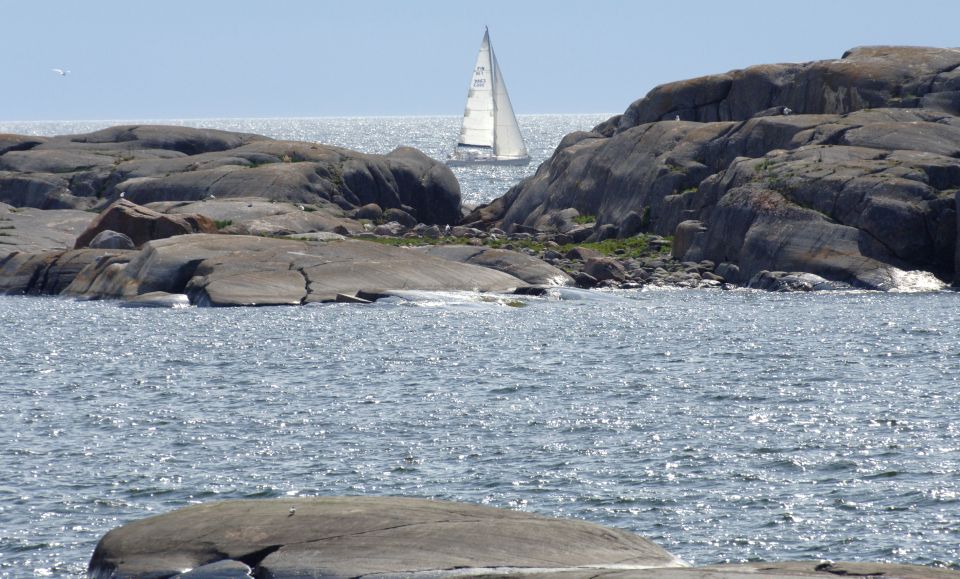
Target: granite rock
point(234, 270)
point(529, 269)
point(357, 536)
point(109, 239)
point(141, 224)
point(32, 230)
point(846, 169)
point(147, 164)
point(393, 537)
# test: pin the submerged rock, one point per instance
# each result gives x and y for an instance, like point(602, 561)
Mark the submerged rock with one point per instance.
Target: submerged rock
point(158, 300)
point(781, 281)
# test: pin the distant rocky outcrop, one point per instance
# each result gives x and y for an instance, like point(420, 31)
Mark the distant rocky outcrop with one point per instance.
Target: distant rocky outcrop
point(164, 163)
point(404, 537)
point(847, 169)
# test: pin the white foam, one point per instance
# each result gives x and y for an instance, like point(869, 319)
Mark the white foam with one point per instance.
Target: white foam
point(915, 281)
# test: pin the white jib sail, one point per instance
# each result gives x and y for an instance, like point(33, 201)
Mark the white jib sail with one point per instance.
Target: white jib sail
point(478, 117)
point(508, 142)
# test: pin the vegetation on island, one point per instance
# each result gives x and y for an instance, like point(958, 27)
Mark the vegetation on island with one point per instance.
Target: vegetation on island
point(631, 247)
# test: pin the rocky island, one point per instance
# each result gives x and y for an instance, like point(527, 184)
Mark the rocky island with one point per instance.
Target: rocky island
point(846, 169)
point(829, 174)
point(159, 215)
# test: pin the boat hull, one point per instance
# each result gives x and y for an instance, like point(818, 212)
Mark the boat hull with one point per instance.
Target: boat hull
point(514, 161)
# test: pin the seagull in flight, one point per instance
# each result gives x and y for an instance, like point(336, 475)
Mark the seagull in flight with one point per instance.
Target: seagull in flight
point(60, 71)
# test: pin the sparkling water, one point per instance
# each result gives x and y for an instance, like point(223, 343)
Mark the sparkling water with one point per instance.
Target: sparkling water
point(724, 426)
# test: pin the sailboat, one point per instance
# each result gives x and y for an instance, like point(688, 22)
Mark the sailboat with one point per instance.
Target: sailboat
point(489, 133)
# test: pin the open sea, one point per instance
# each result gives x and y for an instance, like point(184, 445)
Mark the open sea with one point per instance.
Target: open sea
point(725, 426)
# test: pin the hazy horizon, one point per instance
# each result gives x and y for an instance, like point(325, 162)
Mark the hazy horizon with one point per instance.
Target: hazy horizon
point(374, 58)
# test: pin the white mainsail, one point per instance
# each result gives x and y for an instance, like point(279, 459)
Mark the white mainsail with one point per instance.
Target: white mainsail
point(478, 117)
point(488, 119)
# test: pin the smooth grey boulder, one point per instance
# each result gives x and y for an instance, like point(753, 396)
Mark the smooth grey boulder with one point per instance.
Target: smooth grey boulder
point(632, 224)
point(10, 142)
point(729, 272)
point(400, 216)
point(370, 211)
point(778, 569)
point(109, 239)
point(41, 191)
point(582, 253)
point(184, 140)
point(390, 229)
point(401, 537)
point(684, 235)
point(864, 77)
point(604, 268)
point(359, 536)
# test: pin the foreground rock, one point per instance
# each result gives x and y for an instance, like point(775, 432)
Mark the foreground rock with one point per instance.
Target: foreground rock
point(369, 536)
point(174, 164)
point(235, 270)
point(357, 536)
point(847, 169)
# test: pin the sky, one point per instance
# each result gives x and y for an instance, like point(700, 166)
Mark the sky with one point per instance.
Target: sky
point(180, 59)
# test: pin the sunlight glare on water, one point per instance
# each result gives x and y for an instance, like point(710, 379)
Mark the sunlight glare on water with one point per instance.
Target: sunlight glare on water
point(724, 426)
